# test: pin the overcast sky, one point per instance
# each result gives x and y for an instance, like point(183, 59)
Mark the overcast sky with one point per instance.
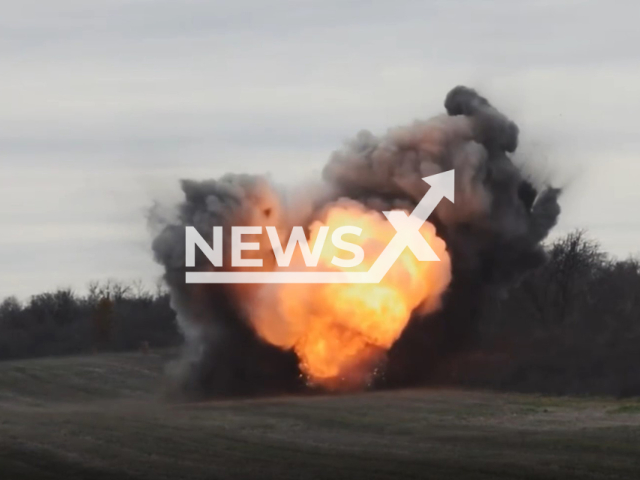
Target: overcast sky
point(105, 104)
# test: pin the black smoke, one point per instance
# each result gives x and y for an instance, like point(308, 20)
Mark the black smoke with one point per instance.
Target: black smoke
point(493, 234)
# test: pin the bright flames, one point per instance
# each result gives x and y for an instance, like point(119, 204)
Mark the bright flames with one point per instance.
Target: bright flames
point(340, 332)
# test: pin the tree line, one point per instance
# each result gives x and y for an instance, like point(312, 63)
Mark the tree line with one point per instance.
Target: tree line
point(570, 326)
point(111, 316)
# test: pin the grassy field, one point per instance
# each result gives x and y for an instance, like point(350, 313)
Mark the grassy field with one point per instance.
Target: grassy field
point(105, 416)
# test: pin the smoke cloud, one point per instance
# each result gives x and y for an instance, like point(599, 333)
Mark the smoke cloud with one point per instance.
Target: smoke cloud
point(492, 235)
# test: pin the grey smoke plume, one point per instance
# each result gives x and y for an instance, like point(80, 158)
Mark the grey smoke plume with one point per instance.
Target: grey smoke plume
point(493, 234)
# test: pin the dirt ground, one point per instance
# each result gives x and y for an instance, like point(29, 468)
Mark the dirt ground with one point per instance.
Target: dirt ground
point(105, 416)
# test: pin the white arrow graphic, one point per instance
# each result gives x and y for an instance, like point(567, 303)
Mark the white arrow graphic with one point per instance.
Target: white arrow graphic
point(407, 235)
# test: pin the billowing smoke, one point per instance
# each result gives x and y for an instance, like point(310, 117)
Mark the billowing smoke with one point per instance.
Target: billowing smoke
point(248, 339)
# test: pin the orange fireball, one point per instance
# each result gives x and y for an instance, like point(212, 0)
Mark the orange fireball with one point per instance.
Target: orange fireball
point(340, 332)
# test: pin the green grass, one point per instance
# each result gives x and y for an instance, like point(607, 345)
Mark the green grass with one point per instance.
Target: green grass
point(631, 408)
point(105, 416)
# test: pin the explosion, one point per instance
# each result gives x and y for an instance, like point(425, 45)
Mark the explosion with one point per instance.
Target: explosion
point(262, 338)
point(340, 331)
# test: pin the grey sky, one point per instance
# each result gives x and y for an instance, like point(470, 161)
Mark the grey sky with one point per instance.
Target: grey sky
point(105, 104)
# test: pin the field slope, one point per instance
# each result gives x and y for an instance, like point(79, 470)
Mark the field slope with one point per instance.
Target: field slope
point(104, 416)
